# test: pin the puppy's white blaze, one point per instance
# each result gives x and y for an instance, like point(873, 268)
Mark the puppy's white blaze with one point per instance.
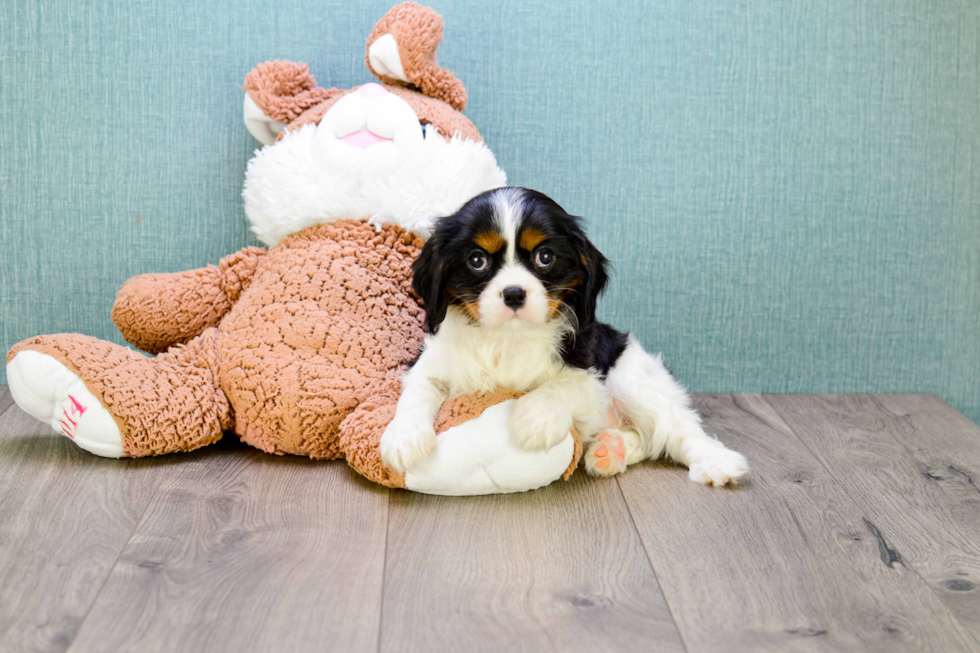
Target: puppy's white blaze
point(493, 311)
point(508, 208)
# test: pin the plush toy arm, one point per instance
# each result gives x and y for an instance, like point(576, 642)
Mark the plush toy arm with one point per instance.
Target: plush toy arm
point(276, 93)
point(156, 311)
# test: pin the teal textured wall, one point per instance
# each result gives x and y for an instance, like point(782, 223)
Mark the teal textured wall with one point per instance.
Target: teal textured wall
point(790, 190)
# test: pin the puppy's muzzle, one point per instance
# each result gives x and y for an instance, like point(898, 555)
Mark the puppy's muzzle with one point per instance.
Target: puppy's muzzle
point(514, 297)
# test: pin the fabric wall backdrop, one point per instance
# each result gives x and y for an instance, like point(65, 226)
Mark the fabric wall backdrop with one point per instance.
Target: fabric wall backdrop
point(790, 190)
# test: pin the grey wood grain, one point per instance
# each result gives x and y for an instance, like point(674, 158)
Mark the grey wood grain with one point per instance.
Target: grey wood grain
point(244, 551)
point(913, 463)
point(6, 399)
point(65, 515)
point(558, 569)
point(788, 562)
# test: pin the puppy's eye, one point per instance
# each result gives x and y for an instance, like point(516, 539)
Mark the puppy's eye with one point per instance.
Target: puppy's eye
point(424, 125)
point(477, 261)
point(544, 258)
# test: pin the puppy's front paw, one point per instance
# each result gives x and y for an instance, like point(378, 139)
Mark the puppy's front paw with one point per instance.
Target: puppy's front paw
point(718, 467)
point(538, 423)
point(405, 442)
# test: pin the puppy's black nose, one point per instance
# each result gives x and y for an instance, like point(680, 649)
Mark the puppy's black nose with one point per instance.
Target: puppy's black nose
point(514, 297)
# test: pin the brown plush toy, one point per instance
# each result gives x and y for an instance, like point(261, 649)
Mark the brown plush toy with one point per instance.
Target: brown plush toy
point(298, 348)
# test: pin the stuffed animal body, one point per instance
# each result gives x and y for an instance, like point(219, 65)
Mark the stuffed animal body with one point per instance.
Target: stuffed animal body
point(298, 347)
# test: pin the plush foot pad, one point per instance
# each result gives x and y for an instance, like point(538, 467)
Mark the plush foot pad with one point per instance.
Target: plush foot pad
point(478, 457)
point(718, 466)
point(50, 392)
point(606, 456)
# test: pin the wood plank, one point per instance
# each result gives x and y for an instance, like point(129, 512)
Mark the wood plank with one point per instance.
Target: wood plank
point(6, 399)
point(913, 463)
point(558, 569)
point(65, 515)
point(243, 551)
point(786, 562)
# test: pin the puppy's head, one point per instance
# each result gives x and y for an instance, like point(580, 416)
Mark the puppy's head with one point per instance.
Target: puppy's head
point(510, 257)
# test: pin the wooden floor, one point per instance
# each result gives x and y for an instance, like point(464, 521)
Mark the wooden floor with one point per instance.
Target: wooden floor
point(858, 531)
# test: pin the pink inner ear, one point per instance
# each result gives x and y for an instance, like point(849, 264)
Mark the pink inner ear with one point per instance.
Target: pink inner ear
point(364, 139)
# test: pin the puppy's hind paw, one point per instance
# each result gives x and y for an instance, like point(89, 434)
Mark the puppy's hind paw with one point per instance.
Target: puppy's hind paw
point(719, 468)
point(606, 456)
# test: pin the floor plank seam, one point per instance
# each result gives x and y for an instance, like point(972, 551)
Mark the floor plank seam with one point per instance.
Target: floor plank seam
point(646, 554)
point(873, 528)
point(4, 391)
point(384, 572)
point(108, 575)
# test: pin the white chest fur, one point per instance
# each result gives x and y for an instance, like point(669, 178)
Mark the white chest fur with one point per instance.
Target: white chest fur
point(476, 358)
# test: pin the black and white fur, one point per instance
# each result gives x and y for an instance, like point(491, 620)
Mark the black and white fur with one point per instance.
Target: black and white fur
point(510, 284)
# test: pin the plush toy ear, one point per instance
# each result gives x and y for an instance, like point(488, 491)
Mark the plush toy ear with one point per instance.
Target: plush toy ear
point(402, 51)
point(429, 273)
point(276, 93)
point(384, 60)
point(596, 268)
point(262, 127)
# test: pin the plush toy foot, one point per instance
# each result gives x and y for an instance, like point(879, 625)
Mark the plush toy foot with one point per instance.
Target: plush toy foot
point(606, 456)
point(115, 402)
point(713, 464)
point(51, 393)
point(474, 452)
point(478, 457)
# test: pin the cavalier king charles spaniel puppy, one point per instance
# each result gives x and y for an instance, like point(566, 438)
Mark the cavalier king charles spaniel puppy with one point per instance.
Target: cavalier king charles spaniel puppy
point(510, 284)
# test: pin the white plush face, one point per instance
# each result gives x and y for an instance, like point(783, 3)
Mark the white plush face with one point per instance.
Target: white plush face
point(368, 158)
point(369, 132)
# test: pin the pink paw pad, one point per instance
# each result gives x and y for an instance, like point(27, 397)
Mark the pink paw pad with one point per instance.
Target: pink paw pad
point(607, 455)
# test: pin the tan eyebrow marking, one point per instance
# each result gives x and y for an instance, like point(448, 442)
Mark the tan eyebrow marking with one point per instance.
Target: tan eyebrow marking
point(490, 241)
point(530, 238)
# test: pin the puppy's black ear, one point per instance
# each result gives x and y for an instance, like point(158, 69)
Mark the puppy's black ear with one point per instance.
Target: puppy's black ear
point(429, 272)
point(596, 268)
